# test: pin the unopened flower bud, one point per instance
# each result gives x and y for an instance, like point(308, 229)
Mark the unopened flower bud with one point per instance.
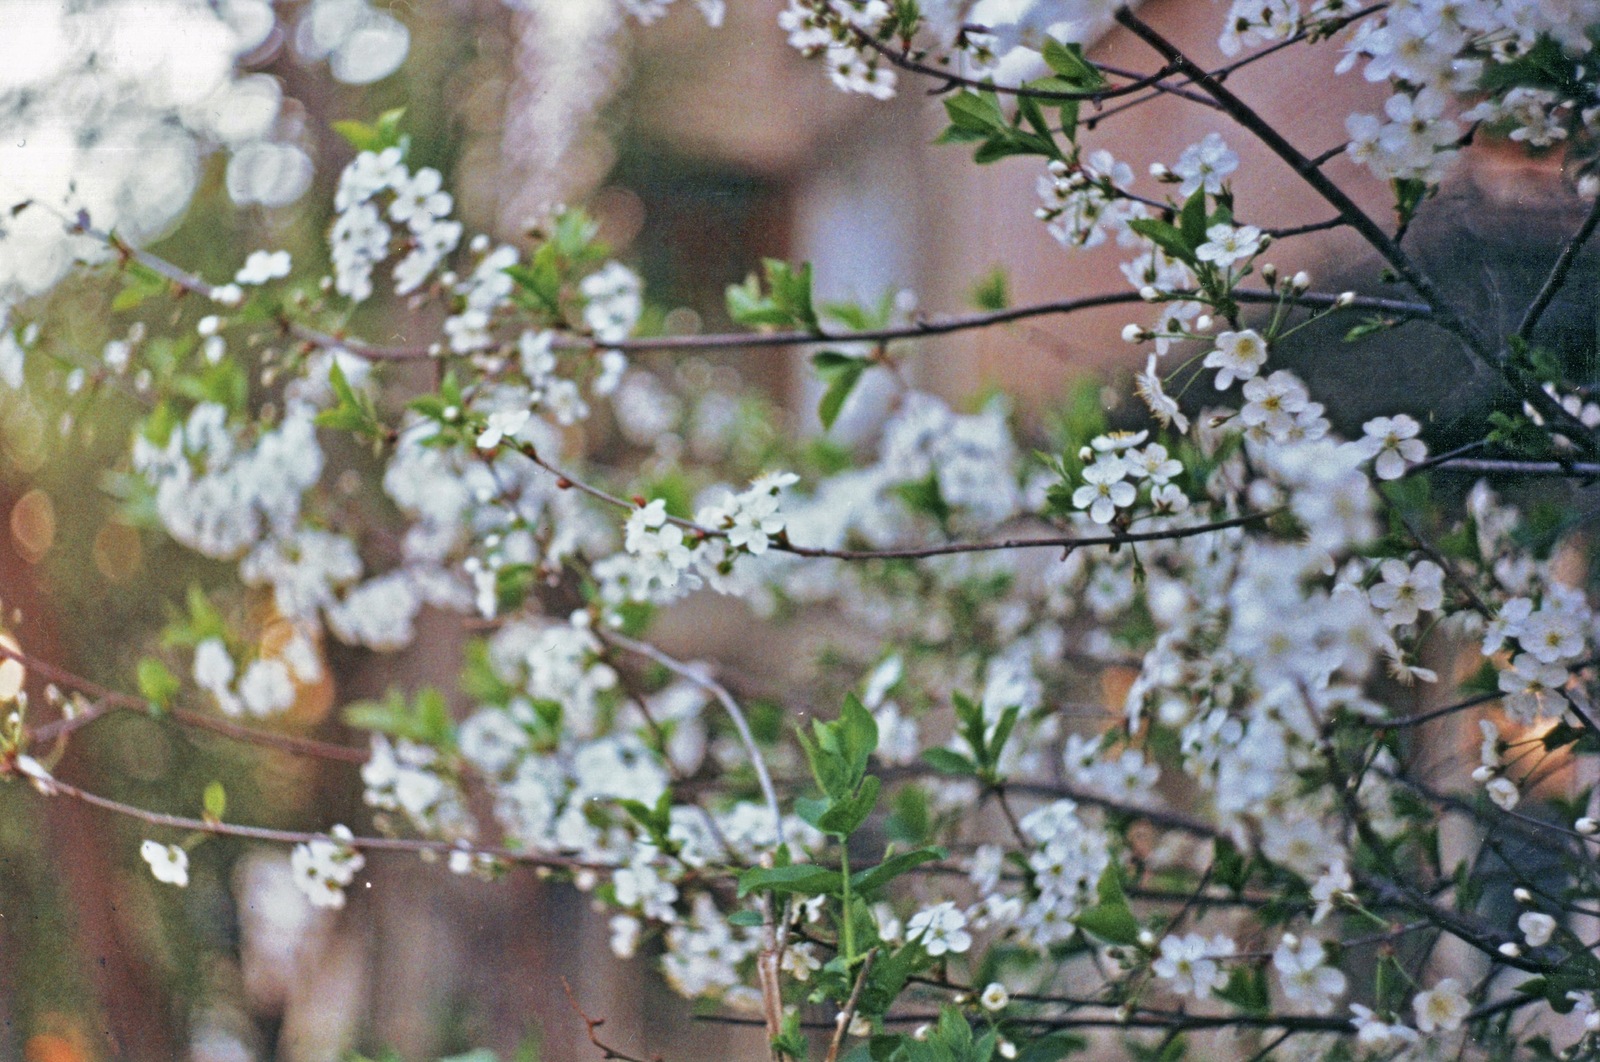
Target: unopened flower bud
point(1522, 895)
point(1589, 185)
point(1160, 172)
point(1510, 949)
point(1147, 939)
point(1269, 273)
point(1345, 299)
point(1149, 294)
point(1203, 323)
point(1085, 453)
point(1301, 281)
point(1586, 826)
point(1134, 334)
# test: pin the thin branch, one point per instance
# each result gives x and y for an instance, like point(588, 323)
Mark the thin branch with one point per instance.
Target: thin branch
point(1493, 466)
point(1445, 315)
point(769, 961)
point(782, 545)
point(951, 79)
point(109, 702)
point(935, 326)
point(1301, 230)
point(1558, 273)
point(592, 1027)
point(848, 1014)
point(56, 787)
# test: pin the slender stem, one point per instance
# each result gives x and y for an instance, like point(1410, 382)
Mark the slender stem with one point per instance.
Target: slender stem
point(729, 705)
point(904, 61)
point(1492, 466)
point(933, 326)
point(847, 930)
point(1064, 542)
point(56, 787)
point(109, 702)
point(1558, 272)
point(848, 1014)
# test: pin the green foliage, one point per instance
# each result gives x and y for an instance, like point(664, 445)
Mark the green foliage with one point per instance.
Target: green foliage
point(352, 411)
point(214, 802)
point(985, 745)
point(139, 283)
point(841, 373)
point(200, 622)
point(376, 136)
point(992, 292)
point(1247, 989)
point(784, 301)
point(1110, 919)
point(545, 286)
point(424, 718)
point(976, 117)
point(157, 683)
point(950, 1040)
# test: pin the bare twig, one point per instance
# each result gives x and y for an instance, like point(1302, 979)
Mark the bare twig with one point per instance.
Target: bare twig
point(1558, 273)
point(57, 787)
point(592, 1027)
point(848, 1014)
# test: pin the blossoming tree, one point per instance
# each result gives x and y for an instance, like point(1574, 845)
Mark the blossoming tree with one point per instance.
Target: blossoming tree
point(940, 867)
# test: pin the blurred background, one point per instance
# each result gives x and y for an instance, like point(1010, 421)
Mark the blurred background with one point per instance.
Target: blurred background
point(700, 151)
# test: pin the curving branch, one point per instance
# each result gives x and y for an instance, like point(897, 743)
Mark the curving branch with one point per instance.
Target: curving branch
point(1446, 316)
point(56, 787)
point(566, 480)
point(920, 328)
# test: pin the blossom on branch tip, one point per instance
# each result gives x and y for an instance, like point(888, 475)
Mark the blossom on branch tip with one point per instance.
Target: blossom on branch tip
point(1442, 1007)
point(168, 862)
point(1104, 490)
point(1391, 444)
point(1237, 356)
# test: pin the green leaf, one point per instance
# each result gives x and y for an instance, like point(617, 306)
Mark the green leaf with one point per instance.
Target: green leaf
point(1111, 919)
point(140, 282)
point(425, 719)
point(801, 879)
point(1166, 237)
point(1069, 64)
point(973, 112)
point(1371, 326)
point(214, 801)
point(375, 136)
point(1247, 989)
point(874, 878)
point(992, 292)
point(157, 683)
point(842, 373)
point(1192, 218)
point(948, 761)
point(845, 816)
point(352, 412)
point(1053, 1047)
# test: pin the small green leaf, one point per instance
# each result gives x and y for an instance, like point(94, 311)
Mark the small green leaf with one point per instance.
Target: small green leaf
point(874, 878)
point(1111, 919)
point(215, 801)
point(845, 816)
point(157, 683)
point(992, 293)
point(1166, 237)
point(948, 761)
point(1192, 218)
point(801, 879)
point(1069, 64)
